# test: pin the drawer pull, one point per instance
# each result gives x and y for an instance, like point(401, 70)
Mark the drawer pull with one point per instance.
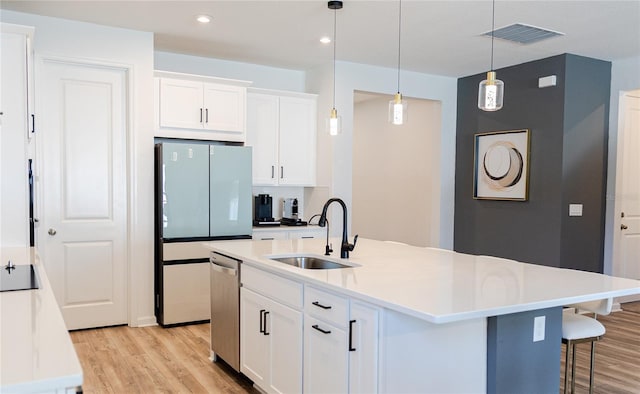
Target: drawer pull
point(265, 323)
point(351, 348)
point(315, 326)
point(319, 305)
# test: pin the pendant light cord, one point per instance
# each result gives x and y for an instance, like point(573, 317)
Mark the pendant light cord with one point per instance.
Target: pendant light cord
point(399, 31)
point(493, 28)
point(335, 16)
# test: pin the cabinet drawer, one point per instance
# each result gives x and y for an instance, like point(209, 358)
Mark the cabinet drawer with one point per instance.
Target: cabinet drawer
point(269, 235)
point(273, 286)
point(327, 306)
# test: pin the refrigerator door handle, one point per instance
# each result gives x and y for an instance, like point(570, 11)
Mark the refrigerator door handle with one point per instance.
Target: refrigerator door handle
point(224, 270)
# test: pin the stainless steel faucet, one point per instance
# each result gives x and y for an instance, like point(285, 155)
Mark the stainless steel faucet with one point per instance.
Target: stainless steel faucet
point(345, 246)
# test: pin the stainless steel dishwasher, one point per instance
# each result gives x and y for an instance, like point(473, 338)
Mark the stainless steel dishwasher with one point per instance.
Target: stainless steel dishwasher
point(225, 309)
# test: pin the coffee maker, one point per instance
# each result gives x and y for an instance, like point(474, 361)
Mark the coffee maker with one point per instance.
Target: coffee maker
point(290, 213)
point(263, 211)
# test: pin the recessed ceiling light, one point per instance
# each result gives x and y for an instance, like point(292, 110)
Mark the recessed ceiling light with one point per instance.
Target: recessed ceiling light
point(203, 18)
point(325, 40)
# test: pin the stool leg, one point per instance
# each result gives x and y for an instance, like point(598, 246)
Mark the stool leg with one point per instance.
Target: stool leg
point(593, 358)
point(573, 368)
point(566, 367)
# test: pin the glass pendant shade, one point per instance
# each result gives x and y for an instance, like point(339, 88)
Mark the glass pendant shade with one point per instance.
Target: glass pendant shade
point(490, 93)
point(398, 113)
point(334, 123)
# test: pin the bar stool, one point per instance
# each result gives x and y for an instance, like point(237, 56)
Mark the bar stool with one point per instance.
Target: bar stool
point(577, 328)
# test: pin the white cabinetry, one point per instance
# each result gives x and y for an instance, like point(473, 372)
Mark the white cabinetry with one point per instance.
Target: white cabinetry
point(14, 134)
point(283, 232)
point(281, 128)
point(197, 107)
point(340, 344)
point(271, 331)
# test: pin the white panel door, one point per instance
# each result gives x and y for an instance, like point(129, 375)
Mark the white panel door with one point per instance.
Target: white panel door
point(363, 353)
point(181, 104)
point(326, 355)
point(630, 190)
point(254, 344)
point(284, 328)
point(82, 108)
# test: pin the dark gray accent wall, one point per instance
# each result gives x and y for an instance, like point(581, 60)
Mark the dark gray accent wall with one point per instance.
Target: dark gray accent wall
point(516, 364)
point(569, 127)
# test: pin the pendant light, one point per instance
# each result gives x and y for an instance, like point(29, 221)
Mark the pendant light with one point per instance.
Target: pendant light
point(334, 122)
point(398, 107)
point(491, 90)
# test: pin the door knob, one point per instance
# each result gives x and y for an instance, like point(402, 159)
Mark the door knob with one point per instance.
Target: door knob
point(52, 231)
point(623, 227)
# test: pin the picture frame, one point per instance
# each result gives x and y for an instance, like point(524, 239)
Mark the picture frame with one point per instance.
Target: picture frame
point(501, 165)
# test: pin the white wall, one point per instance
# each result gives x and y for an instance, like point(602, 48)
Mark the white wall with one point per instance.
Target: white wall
point(625, 76)
point(335, 153)
point(90, 42)
point(396, 171)
point(261, 76)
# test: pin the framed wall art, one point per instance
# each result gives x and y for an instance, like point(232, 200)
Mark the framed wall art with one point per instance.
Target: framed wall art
point(501, 165)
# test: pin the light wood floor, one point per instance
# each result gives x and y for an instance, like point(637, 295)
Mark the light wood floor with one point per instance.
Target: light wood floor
point(175, 360)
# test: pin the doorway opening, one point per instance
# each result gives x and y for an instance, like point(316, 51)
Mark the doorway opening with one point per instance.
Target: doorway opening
point(396, 171)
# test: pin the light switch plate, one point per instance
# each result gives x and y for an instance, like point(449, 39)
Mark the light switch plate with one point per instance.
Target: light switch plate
point(575, 209)
point(538, 328)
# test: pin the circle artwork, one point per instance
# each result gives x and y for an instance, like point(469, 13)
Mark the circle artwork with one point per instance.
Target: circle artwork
point(502, 165)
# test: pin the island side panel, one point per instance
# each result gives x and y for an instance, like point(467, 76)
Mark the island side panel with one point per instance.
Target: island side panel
point(515, 363)
point(421, 357)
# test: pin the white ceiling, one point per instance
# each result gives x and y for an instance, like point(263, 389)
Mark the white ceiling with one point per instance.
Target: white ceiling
point(438, 37)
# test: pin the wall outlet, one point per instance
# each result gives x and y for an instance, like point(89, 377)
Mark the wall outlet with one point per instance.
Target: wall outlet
point(538, 328)
point(575, 209)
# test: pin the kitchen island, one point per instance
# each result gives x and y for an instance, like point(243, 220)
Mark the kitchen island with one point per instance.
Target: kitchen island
point(443, 321)
point(37, 355)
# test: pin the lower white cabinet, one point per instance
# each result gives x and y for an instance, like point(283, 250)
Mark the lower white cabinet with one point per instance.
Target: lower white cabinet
point(340, 344)
point(284, 232)
point(270, 341)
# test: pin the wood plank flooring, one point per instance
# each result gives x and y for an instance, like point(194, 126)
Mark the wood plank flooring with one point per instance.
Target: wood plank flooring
point(176, 360)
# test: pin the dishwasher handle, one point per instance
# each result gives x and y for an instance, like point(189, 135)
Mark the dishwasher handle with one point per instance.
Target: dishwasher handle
point(224, 270)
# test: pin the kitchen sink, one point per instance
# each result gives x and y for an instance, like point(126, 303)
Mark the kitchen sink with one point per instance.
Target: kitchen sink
point(310, 262)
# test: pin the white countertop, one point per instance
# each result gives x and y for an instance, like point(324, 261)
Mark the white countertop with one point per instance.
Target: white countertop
point(435, 285)
point(37, 354)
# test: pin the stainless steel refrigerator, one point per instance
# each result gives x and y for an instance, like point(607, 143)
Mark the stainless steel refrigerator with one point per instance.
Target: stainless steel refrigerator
point(202, 193)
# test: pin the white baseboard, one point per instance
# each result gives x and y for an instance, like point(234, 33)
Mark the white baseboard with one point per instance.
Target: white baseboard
point(145, 321)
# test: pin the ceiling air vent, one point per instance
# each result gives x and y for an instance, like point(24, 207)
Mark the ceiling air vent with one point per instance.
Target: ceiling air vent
point(523, 34)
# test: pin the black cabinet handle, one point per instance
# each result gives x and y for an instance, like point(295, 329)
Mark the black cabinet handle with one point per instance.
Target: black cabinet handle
point(319, 305)
point(315, 326)
point(200, 115)
point(33, 123)
point(206, 119)
point(351, 348)
point(265, 323)
point(262, 311)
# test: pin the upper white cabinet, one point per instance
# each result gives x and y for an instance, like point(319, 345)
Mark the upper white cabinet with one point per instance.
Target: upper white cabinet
point(16, 129)
point(281, 128)
point(198, 107)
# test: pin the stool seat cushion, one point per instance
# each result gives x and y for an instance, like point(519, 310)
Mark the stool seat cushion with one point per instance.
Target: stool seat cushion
point(576, 326)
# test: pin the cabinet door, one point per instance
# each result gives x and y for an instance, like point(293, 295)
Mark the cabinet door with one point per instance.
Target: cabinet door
point(325, 357)
point(363, 354)
point(224, 108)
point(285, 333)
point(181, 103)
point(254, 344)
point(262, 136)
point(297, 141)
